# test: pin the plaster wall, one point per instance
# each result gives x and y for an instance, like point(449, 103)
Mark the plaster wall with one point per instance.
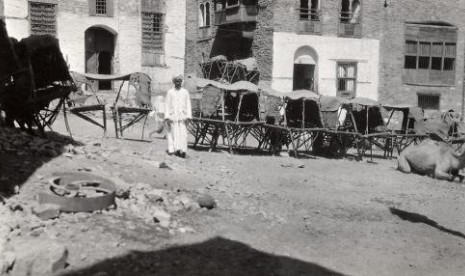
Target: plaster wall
point(329, 50)
point(73, 20)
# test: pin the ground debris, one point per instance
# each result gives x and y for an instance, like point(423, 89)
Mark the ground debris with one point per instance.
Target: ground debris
point(47, 211)
point(206, 201)
point(39, 257)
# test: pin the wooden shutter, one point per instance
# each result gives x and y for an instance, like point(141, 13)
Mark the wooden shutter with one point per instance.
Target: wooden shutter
point(110, 7)
point(42, 18)
point(92, 7)
point(153, 6)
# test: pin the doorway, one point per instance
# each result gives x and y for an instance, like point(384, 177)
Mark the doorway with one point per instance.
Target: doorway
point(100, 47)
point(104, 67)
point(304, 77)
point(305, 74)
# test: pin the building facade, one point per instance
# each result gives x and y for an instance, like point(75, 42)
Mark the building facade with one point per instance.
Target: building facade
point(108, 36)
point(408, 52)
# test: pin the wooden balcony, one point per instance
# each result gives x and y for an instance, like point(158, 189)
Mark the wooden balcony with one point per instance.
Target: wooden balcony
point(237, 14)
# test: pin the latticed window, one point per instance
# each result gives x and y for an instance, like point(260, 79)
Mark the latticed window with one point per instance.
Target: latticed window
point(427, 101)
point(152, 31)
point(346, 79)
point(101, 6)
point(152, 38)
point(429, 54)
point(42, 18)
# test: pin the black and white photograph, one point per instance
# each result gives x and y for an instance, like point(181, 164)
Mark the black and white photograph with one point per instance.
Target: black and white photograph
point(232, 137)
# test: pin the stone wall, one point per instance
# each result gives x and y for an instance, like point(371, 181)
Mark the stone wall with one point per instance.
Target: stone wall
point(391, 34)
point(386, 24)
point(227, 40)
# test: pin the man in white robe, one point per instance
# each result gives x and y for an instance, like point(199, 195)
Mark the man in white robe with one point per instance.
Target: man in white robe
point(177, 113)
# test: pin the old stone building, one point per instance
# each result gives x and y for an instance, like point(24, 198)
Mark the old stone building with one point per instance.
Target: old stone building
point(388, 50)
point(108, 36)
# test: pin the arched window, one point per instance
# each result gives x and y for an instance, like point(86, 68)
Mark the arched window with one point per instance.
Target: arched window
point(304, 9)
point(201, 15)
point(315, 10)
point(355, 10)
point(350, 11)
point(207, 14)
point(310, 9)
point(305, 69)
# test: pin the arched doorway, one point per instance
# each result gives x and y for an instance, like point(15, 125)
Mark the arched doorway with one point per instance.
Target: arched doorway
point(305, 65)
point(100, 48)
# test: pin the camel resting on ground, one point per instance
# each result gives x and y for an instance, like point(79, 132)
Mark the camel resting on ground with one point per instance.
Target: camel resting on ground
point(436, 159)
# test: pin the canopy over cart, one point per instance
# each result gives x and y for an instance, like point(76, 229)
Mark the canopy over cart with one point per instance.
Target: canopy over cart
point(138, 106)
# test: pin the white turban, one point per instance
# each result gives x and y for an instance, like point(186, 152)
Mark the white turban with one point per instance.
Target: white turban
point(178, 77)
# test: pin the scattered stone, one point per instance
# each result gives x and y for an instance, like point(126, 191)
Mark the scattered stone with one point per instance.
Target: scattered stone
point(39, 257)
point(186, 229)
point(16, 207)
point(184, 200)
point(154, 197)
point(123, 193)
point(163, 165)
point(162, 217)
point(206, 201)
point(46, 211)
point(7, 260)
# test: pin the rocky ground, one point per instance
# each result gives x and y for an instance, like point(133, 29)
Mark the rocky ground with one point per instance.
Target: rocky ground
point(271, 215)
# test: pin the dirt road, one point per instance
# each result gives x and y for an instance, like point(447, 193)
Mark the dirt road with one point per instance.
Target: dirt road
point(274, 215)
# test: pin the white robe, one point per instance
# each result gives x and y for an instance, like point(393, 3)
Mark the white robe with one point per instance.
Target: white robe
point(177, 111)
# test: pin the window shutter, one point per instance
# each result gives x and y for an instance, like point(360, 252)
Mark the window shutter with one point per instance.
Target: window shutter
point(92, 7)
point(110, 7)
point(42, 18)
point(153, 6)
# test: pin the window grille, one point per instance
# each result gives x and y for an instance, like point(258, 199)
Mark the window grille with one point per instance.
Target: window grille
point(152, 38)
point(346, 79)
point(42, 18)
point(350, 18)
point(101, 7)
point(309, 10)
point(428, 101)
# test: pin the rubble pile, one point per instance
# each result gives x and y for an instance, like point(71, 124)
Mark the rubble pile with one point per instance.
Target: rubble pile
point(30, 256)
point(161, 209)
point(156, 205)
point(21, 143)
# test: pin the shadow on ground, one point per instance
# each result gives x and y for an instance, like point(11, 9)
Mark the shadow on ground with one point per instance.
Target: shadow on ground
point(417, 218)
point(22, 154)
point(217, 256)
